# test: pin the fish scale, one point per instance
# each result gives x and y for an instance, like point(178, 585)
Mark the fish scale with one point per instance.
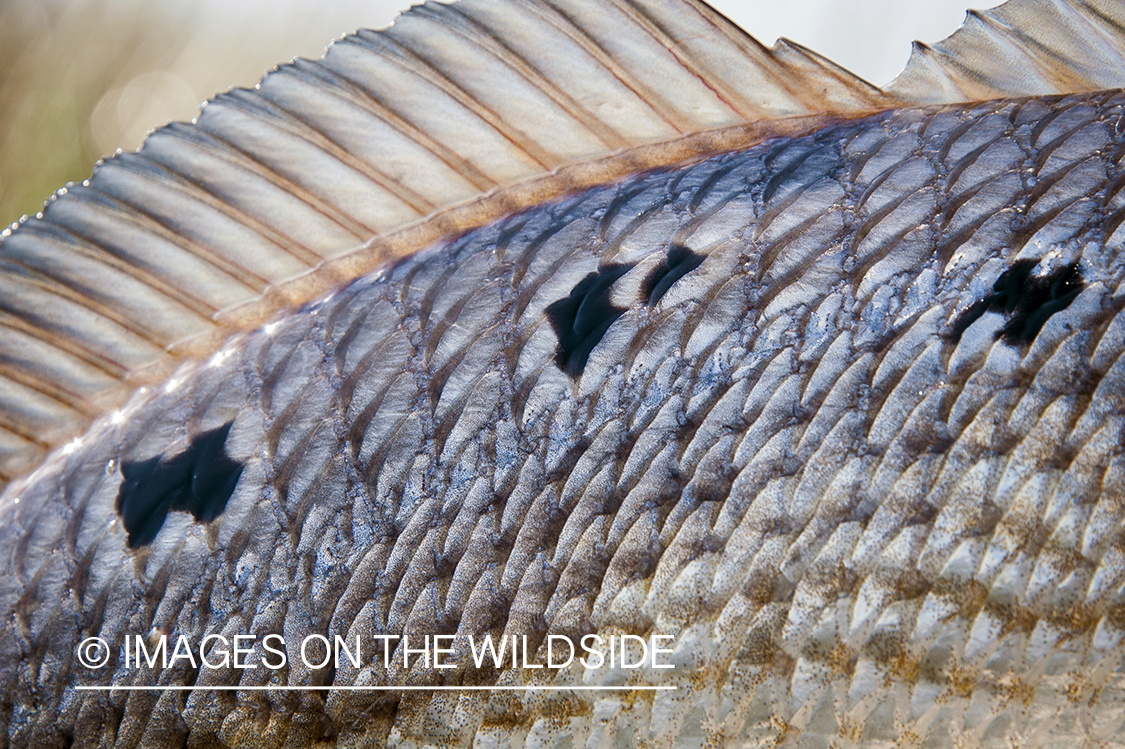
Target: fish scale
point(859, 529)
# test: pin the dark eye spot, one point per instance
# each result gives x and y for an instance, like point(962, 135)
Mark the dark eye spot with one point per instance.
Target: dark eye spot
point(581, 319)
point(1027, 301)
point(678, 263)
point(199, 480)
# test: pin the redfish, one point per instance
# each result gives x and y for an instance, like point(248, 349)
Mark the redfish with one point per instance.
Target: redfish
point(570, 373)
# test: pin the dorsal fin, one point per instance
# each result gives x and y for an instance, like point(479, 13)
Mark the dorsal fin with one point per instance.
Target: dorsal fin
point(1021, 48)
point(452, 117)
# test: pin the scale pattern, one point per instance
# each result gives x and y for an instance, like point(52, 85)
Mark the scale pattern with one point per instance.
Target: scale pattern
point(861, 529)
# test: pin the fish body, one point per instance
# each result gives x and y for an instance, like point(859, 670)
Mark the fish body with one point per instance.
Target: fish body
point(833, 419)
point(852, 525)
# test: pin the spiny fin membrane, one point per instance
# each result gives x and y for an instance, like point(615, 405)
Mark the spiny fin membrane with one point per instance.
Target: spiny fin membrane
point(1021, 48)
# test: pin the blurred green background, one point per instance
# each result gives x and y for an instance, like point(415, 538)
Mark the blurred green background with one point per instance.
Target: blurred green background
point(81, 78)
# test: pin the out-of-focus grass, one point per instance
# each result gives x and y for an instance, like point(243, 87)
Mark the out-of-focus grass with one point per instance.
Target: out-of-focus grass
point(81, 78)
point(49, 94)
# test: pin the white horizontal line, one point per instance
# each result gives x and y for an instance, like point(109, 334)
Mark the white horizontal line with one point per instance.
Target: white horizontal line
point(184, 688)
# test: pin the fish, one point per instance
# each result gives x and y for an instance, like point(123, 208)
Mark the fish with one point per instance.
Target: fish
point(545, 373)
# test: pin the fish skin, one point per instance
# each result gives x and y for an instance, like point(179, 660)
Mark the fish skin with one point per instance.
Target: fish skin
point(257, 206)
point(858, 528)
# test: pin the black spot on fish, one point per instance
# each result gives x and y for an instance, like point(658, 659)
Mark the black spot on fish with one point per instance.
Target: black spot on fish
point(199, 480)
point(1027, 300)
point(581, 319)
point(678, 263)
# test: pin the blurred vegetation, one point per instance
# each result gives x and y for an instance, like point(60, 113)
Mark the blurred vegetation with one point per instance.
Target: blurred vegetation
point(82, 78)
point(49, 95)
